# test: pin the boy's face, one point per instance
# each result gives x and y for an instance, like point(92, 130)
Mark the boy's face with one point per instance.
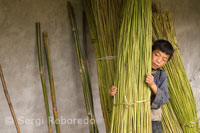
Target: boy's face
point(159, 58)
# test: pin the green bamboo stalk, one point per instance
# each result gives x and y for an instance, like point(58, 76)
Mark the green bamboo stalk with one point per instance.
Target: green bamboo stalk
point(84, 73)
point(131, 110)
point(51, 81)
point(9, 100)
point(181, 96)
point(87, 66)
point(85, 38)
point(42, 76)
point(86, 58)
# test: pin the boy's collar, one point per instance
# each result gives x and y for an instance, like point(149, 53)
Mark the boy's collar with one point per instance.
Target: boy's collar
point(155, 70)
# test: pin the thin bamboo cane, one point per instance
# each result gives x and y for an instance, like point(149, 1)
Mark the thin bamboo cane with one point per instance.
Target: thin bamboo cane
point(181, 96)
point(85, 37)
point(8, 100)
point(86, 54)
point(87, 69)
point(51, 81)
point(42, 76)
point(84, 73)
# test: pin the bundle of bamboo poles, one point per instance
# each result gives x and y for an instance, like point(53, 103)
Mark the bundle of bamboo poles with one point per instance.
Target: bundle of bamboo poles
point(181, 96)
point(131, 110)
point(84, 73)
point(169, 120)
point(9, 100)
point(51, 81)
point(103, 20)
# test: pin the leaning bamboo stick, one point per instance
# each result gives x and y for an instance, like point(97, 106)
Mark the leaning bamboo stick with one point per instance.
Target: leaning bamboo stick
point(87, 72)
point(84, 73)
point(9, 101)
point(42, 76)
point(51, 81)
point(86, 60)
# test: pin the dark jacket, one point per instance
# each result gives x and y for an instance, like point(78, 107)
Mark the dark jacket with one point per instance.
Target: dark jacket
point(162, 96)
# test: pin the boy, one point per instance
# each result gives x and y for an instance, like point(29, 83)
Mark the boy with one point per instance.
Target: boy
point(162, 52)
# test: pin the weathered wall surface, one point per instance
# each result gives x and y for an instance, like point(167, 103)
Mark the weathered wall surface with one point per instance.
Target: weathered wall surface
point(19, 60)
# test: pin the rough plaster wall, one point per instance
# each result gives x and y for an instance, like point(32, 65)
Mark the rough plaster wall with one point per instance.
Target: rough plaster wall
point(18, 56)
point(195, 86)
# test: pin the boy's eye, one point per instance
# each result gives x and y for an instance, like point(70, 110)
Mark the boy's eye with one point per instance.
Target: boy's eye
point(156, 54)
point(164, 60)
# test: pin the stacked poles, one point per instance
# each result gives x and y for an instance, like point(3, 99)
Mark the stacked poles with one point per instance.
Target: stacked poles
point(51, 81)
point(8, 100)
point(103, 20)
point(181, 96)
point(131, 110)
point(84, 73)
point(41, 68)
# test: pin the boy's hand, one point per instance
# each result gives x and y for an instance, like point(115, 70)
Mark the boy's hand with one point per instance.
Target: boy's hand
point(113, 90)
point(151, 83)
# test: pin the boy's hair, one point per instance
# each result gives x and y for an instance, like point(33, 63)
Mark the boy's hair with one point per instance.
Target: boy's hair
point(164, 46)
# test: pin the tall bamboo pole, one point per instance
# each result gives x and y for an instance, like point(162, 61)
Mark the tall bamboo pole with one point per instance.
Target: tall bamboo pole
point(84, 73)
point(51, 81)
point(9, 101)
point(38, 32)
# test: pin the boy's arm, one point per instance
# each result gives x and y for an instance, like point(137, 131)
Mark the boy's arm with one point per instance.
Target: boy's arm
point(162, 94)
